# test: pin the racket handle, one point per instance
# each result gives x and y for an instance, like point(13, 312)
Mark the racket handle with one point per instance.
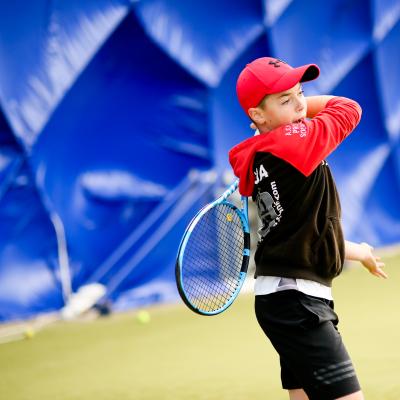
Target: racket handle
point(245, 207)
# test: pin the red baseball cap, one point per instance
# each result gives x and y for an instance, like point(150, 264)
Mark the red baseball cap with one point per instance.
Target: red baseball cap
point(268, 75)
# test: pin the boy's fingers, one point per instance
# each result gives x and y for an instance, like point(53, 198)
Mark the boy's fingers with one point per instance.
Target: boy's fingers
point(380, 273)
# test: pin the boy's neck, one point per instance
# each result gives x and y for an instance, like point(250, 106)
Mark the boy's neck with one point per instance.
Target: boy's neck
point(263, 129)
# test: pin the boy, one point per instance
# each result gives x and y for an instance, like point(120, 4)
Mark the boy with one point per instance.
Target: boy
point(301, 247)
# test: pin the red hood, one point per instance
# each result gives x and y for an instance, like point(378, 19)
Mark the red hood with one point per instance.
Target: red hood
point(241, 158)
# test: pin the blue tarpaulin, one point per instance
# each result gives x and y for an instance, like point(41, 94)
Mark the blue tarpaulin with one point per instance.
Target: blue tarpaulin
point(114, 112)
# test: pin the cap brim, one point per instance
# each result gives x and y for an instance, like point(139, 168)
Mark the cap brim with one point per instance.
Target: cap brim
point(304, 73)
point(310, 72)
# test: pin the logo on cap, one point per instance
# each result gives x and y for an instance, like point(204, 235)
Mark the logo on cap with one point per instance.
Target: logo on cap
point(276, 63)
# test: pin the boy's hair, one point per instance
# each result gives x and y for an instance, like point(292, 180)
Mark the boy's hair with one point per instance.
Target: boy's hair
point(268, 75)
point(261, 104)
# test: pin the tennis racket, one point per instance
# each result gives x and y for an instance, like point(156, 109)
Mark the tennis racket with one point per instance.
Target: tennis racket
point(213, 255)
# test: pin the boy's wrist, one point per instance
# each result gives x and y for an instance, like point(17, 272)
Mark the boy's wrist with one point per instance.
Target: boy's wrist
point(357, 251)
point(315, 104)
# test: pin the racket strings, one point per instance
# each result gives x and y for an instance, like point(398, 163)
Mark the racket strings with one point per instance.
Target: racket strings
point(213, 258)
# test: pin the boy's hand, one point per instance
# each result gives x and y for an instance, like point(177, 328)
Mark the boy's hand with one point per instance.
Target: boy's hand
point(372, 262)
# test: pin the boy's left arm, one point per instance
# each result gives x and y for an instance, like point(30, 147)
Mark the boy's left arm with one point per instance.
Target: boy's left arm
point(363, 253)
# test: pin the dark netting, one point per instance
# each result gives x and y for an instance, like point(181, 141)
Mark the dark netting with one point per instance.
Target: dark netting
point(213, 258)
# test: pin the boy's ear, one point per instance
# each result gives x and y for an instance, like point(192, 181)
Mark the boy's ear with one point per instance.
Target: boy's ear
point(256, 115)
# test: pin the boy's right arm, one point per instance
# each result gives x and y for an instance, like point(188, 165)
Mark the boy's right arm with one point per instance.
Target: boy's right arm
point(305, 145)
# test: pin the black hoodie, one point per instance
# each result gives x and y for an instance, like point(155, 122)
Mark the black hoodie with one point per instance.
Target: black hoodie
point(285, 173)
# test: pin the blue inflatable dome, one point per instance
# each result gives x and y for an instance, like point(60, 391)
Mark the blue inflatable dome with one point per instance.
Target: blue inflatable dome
point(116, 116)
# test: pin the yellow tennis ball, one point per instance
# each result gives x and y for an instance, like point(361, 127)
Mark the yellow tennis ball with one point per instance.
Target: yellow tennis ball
point(29, 333)
point(143, 317)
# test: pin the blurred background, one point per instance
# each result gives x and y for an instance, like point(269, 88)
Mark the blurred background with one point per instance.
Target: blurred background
point(116, 118)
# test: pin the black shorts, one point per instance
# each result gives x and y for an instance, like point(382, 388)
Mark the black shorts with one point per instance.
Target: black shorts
point(303, 331)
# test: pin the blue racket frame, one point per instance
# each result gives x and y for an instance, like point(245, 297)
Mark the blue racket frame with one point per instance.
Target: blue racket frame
point(243, 215)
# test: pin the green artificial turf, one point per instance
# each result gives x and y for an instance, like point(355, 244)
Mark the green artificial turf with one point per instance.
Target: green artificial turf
point(180, 355)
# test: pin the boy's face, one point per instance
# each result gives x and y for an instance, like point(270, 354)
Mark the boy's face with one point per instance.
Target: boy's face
point(279, 109)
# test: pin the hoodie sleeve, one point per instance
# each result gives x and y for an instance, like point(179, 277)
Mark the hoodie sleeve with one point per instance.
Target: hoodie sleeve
point(306, 144)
